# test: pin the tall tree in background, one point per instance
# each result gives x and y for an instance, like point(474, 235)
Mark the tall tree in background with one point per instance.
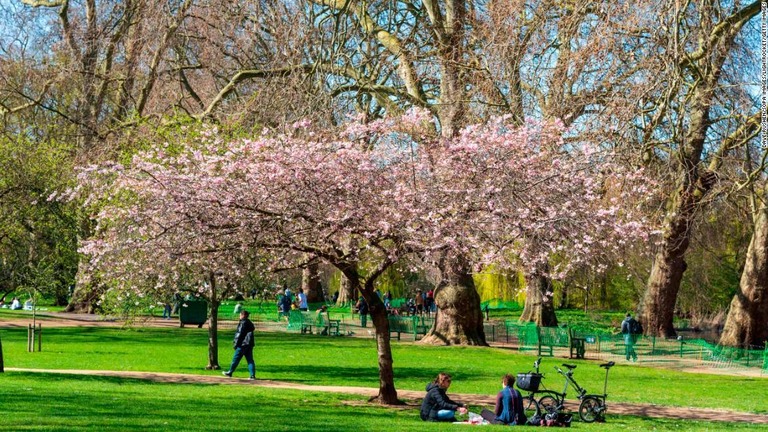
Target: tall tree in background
point(104, 75)
point(747, 321)
point(746, 324)
point(682, 121)
point(38, 248)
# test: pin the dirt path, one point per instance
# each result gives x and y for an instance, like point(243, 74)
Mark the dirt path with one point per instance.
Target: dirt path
point(413, 398)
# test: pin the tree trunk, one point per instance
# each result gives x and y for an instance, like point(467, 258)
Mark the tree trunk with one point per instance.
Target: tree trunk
point(564, 297)
point(84, 296)
point(85, 293)
point(539, 306)
point(347, 288)
point(658, 307)
point(459, 320)
point(346, 292)
point(452, 35)
point(387, 392)
point(213, 329)
point(747, 321)
point(603, 291)
point(310, 283)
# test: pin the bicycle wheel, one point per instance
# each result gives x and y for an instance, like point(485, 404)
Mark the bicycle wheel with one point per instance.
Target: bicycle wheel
point(549, 404)
point(590, 409)
point(530, 406)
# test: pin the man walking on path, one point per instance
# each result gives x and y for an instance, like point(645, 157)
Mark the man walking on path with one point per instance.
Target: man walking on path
point(630, 328)
point(243, 345)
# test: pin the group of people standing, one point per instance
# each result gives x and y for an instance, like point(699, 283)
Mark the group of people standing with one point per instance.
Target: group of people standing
point(437, 406)
point(286, 301)
point(424, 302)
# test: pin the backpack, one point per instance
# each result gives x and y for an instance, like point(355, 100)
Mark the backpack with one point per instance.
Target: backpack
point(635, 327)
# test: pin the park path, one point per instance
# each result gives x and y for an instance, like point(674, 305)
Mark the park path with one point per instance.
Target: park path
point(413, 398)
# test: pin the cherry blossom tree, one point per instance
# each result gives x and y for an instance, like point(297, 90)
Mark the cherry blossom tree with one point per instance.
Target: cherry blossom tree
point(520, 198)
point(156, 236)
point(209, 206)
point(379, 192)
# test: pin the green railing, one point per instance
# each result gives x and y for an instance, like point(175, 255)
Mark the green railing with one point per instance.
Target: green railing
point(599, 344)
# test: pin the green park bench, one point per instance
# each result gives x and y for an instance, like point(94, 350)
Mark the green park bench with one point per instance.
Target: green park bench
point(541, 340)
point(399, 325)
point(423, 325)
point(577, 345)
point(300, 321)
point(325, 325)
point(413, 325)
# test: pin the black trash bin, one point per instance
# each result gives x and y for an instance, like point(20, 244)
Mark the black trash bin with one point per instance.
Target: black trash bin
point(193, 312)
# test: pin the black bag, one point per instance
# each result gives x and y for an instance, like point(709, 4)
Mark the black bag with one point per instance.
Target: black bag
point(564, 419)
point(528, 381)
point(635, 327)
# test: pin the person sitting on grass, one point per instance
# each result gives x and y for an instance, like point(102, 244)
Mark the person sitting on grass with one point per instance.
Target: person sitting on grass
point(437, 406)
point(509, 405)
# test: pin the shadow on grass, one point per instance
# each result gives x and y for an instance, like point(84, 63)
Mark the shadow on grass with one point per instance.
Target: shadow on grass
point(61, 402)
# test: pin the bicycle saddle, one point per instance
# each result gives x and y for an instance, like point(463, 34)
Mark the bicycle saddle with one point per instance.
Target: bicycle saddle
point(607, 365)
point(569, 366)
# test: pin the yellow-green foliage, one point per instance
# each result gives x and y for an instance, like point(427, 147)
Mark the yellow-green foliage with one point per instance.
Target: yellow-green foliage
point(492, 284)
point(334, 282)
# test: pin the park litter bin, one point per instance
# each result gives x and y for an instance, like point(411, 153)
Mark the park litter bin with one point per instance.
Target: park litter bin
point(193, 312)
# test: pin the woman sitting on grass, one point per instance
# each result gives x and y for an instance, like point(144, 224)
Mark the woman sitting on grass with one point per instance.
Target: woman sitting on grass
point(437, 406)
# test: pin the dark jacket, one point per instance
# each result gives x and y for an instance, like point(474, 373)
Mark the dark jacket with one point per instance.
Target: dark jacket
point(285, 303)
point(362, 307)
point(436, 400)
point(244, 334)
point(631, 326)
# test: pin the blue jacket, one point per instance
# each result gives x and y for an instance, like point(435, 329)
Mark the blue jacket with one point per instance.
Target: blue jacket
point(509, 407)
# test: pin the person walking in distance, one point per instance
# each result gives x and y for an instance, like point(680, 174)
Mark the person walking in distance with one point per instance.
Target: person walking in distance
point(631, 328)
point(362, 309)
point(243, 345)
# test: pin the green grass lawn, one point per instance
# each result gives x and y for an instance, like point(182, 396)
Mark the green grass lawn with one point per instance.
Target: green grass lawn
point(318, 360)
point(43, 402)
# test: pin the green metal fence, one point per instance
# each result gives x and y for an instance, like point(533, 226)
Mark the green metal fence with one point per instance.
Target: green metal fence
point(599, 344)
